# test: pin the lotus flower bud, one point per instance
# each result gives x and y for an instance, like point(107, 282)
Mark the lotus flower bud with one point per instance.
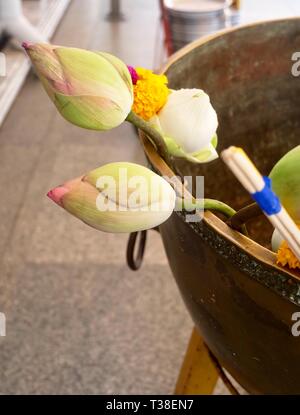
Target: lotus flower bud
point(188, 124)
point(189, 119)
point(118, 198)
point(285, 177)
point(90, 89)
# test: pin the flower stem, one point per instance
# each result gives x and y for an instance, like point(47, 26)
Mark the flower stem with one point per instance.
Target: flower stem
point(212, 204)
point(206, 204)
point(155, 136)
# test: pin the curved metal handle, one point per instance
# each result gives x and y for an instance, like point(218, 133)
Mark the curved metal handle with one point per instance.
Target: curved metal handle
point(139, 238)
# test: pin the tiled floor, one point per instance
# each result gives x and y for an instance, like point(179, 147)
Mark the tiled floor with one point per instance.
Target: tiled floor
point(78, 321)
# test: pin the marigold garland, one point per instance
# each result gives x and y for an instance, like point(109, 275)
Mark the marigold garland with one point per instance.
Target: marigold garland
point(285, 256)
point(150, 93)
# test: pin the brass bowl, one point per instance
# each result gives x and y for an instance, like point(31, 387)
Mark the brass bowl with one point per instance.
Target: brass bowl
point(238, 297)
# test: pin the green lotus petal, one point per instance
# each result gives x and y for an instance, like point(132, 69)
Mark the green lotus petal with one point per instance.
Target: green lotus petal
point(120, 67)
point(88, 72)
point(122, 172)
point(45, 62)
point(90, 112)
point(285, 177)
point(113, 170)
point(205, 155)
point(214, 141)
point(173, 148)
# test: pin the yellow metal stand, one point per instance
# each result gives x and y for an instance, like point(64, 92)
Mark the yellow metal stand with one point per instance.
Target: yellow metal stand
point(200, 370)
point(198, 374)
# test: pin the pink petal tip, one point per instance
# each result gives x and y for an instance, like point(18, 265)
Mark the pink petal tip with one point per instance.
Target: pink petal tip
point(57, 194)
point(26, 45)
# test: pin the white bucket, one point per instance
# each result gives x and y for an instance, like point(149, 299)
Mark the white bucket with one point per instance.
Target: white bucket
point(191, 19)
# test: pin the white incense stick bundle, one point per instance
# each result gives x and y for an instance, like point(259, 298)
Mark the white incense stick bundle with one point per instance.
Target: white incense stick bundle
point(258, 186)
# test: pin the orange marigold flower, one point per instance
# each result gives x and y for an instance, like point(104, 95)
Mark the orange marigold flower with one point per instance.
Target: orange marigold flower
point(150, 93)
point(285, 256)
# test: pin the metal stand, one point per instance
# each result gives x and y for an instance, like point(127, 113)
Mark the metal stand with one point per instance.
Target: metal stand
point(200, 370)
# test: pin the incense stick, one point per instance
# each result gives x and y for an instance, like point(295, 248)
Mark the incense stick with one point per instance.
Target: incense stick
point(260, 189)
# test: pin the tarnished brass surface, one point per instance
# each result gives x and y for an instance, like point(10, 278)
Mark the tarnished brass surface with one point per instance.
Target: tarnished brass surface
point(241, 301)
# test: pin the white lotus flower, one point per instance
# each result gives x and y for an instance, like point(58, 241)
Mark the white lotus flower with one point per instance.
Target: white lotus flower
point(189, 119)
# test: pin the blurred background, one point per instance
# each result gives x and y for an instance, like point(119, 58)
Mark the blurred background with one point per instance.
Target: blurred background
point(77, 319)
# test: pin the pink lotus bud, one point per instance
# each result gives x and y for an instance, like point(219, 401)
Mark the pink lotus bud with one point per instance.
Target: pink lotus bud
point(90, 89)
point(117, 197)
